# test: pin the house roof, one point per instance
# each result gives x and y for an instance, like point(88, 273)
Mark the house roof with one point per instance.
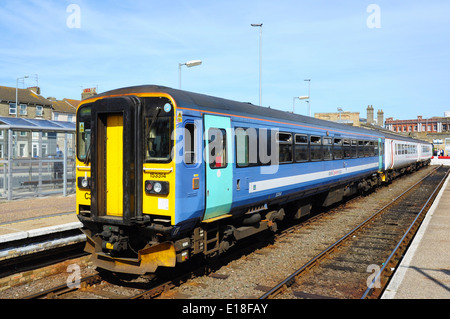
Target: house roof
point(28, 96)
point(66, 106)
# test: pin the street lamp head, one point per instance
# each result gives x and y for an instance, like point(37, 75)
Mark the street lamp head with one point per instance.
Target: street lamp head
point(303, 97)
point(193, 63)
point(256, 24)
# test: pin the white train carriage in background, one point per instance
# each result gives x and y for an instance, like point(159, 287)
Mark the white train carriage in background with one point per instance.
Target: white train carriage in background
point(403, 154)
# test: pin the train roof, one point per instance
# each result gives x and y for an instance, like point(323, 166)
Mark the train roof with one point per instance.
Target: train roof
point(215, 104)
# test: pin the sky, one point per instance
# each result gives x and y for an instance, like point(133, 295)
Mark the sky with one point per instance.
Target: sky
point(391, 54)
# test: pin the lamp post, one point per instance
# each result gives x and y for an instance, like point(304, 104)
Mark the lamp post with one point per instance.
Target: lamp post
point(17, 86)
point(300, 98)
point(309, 96)
point(340, 110)
point(189, 64)
point(260, 59)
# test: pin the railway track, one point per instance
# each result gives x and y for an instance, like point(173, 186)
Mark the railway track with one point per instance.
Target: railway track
point(107, 288)
point(360, 263)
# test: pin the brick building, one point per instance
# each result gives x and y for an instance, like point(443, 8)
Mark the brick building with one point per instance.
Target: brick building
point(64, 110)
point(431, 125)
point(31, 103)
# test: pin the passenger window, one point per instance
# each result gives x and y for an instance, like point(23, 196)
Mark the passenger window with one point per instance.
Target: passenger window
point(360, 148)
point(217, 148)
point(301, 148)
point(316, 148)
point(337, 148)
point(242, 142)
point(347, 150)
point(327, 149)
point(371, 148)
point(354, 149)
point(366, 148)
point(284, 147)
point(190, 144)
point(246, 146)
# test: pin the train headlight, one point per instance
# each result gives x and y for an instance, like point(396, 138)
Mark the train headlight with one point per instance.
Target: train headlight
point(84, 182)
point(156, 187)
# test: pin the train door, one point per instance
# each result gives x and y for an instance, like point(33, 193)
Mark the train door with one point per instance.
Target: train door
point(380, 154)
point(113, 160)
point(114, 164)
point(219, 168)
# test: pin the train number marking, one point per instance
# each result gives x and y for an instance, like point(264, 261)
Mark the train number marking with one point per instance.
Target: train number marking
point(158, 175)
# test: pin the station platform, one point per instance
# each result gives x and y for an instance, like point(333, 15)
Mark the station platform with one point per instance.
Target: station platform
point(34, 217)
point(423, 274)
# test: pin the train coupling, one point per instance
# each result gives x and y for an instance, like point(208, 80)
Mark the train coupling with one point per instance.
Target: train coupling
point(148, 260)
point(113, 238)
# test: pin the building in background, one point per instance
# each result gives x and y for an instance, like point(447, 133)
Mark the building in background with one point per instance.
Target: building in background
point(31, 103)
point(89, 92)
point(435, 130)
point(64, 110)
point(353, 118)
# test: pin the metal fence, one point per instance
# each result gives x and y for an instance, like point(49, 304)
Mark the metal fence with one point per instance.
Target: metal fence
point(37, 158)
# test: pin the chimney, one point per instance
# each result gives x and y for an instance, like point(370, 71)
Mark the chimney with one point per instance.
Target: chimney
point(370, 114)
point(380, 118)
point(87, 93)
point(35, 89)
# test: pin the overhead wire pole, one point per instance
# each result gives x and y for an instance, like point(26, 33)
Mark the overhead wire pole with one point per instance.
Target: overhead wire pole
point(260, 59)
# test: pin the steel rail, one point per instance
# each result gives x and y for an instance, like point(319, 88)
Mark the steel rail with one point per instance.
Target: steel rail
point(369, 293)
point(315, 260)
point(54, 292)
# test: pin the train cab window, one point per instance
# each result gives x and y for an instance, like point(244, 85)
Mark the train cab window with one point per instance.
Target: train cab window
point(316, 148)
point(337, 148)
point(327, 149)
point(190, 133)
point(158, 139)
point(354, 149)
point(217, 141)
point(301, 148)
point(360, 148)
point(284, 147)
point(83, 131)
point(346, 147)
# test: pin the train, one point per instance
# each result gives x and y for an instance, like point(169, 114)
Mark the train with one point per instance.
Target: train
point(164, 175)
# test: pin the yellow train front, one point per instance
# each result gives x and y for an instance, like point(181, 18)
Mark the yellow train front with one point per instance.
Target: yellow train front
point(126, 179)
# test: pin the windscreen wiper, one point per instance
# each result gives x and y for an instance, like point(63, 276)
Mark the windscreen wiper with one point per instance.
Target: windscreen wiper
point(88, 155)
point(155, 117)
